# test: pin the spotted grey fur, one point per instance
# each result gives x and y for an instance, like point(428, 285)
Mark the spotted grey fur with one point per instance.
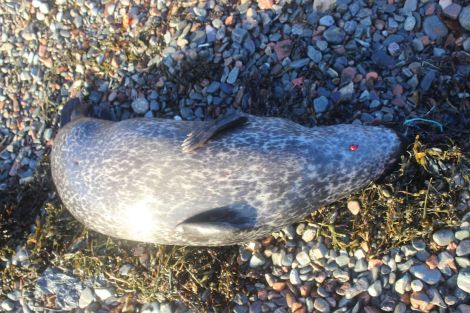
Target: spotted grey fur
point(132, 179)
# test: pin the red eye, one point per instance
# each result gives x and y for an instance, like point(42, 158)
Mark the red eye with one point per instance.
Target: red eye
point(353, 147)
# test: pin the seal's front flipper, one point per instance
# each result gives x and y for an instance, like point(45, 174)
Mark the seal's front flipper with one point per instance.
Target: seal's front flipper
point(198, 137)
point(223, 221)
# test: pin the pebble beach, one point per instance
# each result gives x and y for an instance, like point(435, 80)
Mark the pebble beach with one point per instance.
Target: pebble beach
point(401, 64)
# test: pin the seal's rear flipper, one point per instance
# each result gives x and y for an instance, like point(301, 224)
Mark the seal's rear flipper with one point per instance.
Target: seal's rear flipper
point(198, 137)
point(223, 221)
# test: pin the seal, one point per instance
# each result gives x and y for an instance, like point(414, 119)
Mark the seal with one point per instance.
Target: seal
point(220, 182)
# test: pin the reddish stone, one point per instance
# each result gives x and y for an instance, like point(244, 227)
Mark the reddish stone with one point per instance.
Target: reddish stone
point(290, 299)
point(420, 301)
point(372, 76)
point(265, 4)
point(375, 263)
point(432, 262)
point(398, 102)
point(451, 247)
point(348, 74)
point(305, 290)
point(425, 40)
point(339, 49)
point(42, 51)
point(262, 294)
point(283, 49)
point(297, 306)
point(452, 11)
point(279, 286)
point(229, 20)
point(267, 241)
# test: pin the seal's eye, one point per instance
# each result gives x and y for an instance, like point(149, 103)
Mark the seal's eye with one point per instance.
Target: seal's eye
point(353, 147)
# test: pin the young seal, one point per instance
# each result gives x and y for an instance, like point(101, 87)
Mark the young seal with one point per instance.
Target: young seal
point(190, 183)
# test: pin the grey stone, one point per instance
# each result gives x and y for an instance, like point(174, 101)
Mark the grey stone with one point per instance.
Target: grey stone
point(443, 237)
point(314, 54)
point(140, 105)
point(463, 261)
point(233, 75)
point(66, 288)
point(464, 17)
point(104, 293)
point(463, 280)
point(417, 285)
point(318, 251)
point(86, 298)
point(350, 27)
point(410, 23)
point(360, 286)
point(320, 104)
point(327, 20)
point(308, 235)
point(294, 277)
point(466, 44)
point(463, 248)
point(7, 305)
point(423, 272)
point(321, 305)
point(166, 308)
point(402, 283)
point(435, 297)
point(239, 35)
point(257, 260)
point(303, 258)
point(361, 265)
point(434, 28)
point(334, 35)
point(375, 289)
point(300, 63)
point(410, 6)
